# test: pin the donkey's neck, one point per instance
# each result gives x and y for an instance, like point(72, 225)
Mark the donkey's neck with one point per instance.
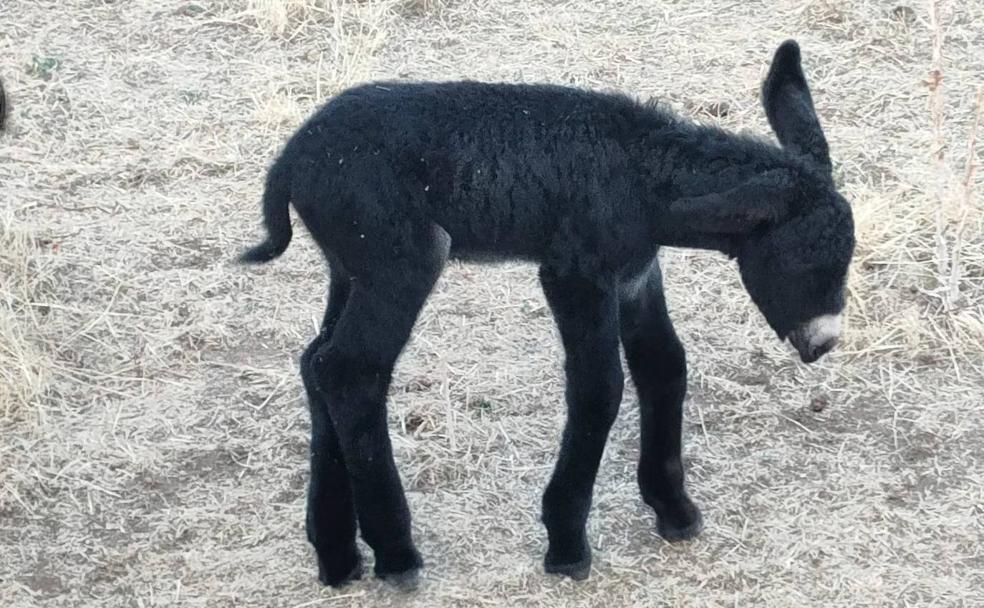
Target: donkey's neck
point(685, 160)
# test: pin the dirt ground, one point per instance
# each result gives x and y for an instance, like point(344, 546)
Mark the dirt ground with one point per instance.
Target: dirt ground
point(153, 431)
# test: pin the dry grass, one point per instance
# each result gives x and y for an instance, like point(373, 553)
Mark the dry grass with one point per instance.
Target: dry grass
point(24, 368)
point(154, 430)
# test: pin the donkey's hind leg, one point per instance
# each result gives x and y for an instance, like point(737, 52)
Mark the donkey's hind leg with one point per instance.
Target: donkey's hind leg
point(354, 370)
point(331, 523)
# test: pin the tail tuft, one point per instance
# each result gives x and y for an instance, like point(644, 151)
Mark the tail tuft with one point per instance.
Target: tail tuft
point(262, 253)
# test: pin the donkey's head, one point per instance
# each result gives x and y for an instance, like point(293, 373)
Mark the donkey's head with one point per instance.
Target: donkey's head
point(792, 233)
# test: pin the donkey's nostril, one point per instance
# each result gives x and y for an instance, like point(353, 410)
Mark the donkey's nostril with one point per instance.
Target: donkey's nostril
point(819, 350)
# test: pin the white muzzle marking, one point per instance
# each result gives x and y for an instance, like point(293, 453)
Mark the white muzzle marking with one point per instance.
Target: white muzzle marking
point(822, 329)
point(816, 337)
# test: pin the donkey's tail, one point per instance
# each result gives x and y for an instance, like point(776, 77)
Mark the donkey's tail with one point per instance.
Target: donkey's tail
point(276, 216)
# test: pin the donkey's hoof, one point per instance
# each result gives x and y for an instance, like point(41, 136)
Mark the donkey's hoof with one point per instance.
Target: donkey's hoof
point(400, 569)
point(338, 572)
point(578, 571)
point(405, 581)
point(575, 563)
point(676, 531)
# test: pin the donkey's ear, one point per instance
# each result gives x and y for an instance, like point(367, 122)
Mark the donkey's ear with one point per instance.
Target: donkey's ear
point(764, 199)
point(789, 107)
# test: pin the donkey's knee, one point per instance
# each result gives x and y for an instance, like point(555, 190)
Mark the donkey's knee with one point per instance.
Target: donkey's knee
point(668, 362)
point(311, 371)
point(343, 375)
point(354, 390)
point(307, 357)
point(595, 396)
point(657, 360)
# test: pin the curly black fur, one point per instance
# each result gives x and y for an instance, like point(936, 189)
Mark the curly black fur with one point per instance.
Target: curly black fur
point(391, 178)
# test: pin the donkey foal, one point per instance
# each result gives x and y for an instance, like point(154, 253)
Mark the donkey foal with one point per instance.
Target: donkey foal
point(392, 178)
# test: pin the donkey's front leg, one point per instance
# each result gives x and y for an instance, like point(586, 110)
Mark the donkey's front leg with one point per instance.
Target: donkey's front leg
point(658, 366)
point(586, 313)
